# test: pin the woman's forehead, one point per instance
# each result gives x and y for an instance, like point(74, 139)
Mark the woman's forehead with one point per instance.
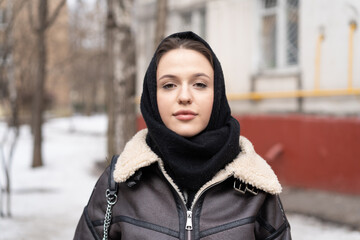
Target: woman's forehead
point(179, 60)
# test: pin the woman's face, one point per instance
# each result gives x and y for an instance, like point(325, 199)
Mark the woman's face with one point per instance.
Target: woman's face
point(185, 91)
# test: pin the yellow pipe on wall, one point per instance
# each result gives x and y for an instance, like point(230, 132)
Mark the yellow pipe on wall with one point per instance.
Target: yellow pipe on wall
point(294, 94)
point(350, 56)
point(288, 94)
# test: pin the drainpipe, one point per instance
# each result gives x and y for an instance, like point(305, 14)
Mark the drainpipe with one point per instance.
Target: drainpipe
point(352, 28)
point(318, 59)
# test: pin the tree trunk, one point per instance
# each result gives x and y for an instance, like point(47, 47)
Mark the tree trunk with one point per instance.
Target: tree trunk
point(38, 104)
point(44, 22)
point(110, 28)
point(124, 74)
point(161, 9)
point(125, 92)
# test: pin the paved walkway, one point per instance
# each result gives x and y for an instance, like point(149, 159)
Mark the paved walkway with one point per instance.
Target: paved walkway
point(328, 206)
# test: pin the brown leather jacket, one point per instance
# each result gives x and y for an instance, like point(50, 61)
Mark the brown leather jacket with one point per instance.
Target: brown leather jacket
point(240, 202)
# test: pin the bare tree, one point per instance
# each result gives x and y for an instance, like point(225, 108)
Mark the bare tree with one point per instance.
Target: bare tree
point(122, 53)
point(110, 30)
point(161, 7)
point(43, 24)
point(8, 96)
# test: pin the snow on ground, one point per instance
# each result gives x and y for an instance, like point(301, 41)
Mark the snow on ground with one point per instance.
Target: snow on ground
point(309, 228)
point(47, 202)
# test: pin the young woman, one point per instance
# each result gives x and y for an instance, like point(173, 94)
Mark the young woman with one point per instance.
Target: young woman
point(188, 175)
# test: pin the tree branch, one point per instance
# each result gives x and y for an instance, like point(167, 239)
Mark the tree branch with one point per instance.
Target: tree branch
point(55, 14)
point(31, 17)
point(7, 42)
point(15, 12)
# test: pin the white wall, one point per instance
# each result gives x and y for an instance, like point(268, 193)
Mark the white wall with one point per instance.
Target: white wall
point(233, 32)
point(334, 17)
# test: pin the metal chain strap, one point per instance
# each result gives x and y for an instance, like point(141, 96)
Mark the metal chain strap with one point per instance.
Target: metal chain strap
point(111, 200)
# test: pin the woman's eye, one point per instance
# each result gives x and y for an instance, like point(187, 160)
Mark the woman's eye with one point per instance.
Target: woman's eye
point(200, 85)
point(169, 86)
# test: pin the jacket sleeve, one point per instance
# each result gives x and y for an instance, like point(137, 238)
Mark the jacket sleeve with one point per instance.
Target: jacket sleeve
point(94, 212)
point(271, 222)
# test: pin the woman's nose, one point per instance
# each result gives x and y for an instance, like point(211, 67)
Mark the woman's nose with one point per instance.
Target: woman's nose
point(184, 96)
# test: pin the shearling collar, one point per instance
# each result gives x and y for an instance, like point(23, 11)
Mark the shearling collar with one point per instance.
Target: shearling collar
point(248, 166)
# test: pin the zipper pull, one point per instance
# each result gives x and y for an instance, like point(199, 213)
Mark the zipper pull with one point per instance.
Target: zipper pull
point(189, 226)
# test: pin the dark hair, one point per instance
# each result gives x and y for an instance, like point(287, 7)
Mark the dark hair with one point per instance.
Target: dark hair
point(178, 43)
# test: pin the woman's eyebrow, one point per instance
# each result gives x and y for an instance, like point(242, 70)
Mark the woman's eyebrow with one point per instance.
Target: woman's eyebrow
point(171, 76)
point(167, 76)
point(201, 75)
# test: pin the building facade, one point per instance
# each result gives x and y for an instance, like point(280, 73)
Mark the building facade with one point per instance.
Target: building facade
point(303, 52)
point(292, 75)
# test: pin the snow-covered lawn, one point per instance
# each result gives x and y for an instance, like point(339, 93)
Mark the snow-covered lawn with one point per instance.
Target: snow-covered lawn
point(47, 202)
point(308, 228)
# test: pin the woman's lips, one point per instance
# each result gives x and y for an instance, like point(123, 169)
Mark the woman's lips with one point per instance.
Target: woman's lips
point(184, 115)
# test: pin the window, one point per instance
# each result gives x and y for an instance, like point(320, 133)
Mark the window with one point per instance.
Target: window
point(292, 28)
point(202, 23)
point(278, 33)
point(186, 20)
point(194, 21)
point(268, 34)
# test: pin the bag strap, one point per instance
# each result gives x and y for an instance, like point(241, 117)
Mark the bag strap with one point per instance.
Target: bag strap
point(113, 186)
point(111, 196)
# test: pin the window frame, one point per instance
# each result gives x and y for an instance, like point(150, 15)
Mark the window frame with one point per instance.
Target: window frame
point(198, 23)
point(281, 65)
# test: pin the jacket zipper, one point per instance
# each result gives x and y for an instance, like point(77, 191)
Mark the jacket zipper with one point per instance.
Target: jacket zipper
point(188, 226)
point(189, 219)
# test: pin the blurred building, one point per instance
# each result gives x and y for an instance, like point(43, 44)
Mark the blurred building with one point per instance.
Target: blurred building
point(292, 77)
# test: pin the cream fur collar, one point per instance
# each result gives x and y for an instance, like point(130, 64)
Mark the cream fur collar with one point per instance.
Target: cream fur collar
point(248, 166)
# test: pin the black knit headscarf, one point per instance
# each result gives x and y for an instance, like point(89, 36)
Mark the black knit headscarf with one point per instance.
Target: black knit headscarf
point(191, 162)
